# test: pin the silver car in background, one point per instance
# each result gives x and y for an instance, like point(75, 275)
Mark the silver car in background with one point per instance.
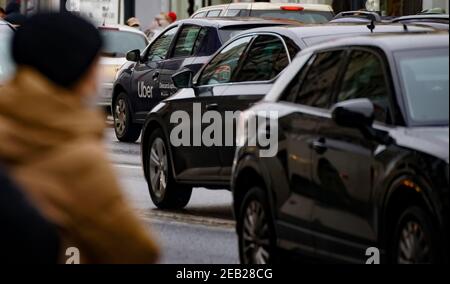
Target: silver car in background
point(119, 40)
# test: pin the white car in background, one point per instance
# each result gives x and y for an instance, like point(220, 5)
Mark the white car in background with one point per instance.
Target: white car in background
point(305, 13)
point(118, 40)
point(6, 64)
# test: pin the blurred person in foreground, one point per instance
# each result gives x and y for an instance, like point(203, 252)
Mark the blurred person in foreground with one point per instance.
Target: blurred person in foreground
point(2, 13)
point(51, 141)
point(13, 15)
point(26, 236)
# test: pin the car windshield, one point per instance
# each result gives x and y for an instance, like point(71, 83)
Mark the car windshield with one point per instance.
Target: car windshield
point(118, 43)
point(6, 65)
point(425, 80)
point(307, 17)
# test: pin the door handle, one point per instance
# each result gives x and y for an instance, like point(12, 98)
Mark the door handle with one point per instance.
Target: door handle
point(155, 76)
point(212, 107)
point(320, 146)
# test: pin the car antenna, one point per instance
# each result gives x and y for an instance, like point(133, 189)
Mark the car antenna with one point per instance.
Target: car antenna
point(371, 26)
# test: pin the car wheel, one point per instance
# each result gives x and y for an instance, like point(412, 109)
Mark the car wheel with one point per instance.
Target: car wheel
point(415, 239)
point(126, 130)
point(256, 231)
point(165, 193)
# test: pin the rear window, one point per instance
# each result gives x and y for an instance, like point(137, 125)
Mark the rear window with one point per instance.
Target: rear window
point(6, 64)
point(118, 43)
point(228, 33)
point(307, 17)
point(425, 81)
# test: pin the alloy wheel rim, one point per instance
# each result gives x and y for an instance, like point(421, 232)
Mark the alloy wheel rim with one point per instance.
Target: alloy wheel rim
point(120, 116)
point(413, 247)
point(256, 237)
point(158, 167)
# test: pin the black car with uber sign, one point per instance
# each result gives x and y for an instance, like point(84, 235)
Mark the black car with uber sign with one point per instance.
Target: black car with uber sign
point(147, 79)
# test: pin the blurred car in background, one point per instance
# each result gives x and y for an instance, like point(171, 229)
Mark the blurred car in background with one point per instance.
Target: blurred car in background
point(357, 17)
point(119, 40)
point(147, 79)
point(238, 76)
point(305, 13)
point(362, 159)
point(6, 64)
point(437, 21)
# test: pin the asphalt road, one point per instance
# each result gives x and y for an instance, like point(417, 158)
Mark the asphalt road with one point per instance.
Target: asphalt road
point(202, 233)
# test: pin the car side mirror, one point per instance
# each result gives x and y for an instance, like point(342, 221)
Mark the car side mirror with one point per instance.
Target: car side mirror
point(134, 55)
point(358, 113)
point(183, 79)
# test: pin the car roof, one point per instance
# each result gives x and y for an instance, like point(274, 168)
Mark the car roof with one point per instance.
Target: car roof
point(422, 17)
point(268, 6)
point(122, 28)
point(299, 33)
point(222, 22)
point(392, 42)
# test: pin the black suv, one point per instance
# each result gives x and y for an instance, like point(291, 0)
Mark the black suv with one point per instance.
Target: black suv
point(239, 75)
point(147, 79)
point(362, 160)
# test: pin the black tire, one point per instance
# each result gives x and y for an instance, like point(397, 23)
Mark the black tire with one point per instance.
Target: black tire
point(125, 129)
point(173, 195)
point(265, 242)
point(416, 226)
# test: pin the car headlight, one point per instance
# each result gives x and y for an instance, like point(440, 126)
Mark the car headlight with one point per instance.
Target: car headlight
point(118, 71)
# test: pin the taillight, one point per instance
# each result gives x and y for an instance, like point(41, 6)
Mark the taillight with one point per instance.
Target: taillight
point(292, 8)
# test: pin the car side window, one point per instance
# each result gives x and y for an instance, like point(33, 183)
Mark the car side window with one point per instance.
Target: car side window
point(214, 13)
point(266, 58)
point(365, 78)
point(236, 13)
point(160, 47)
point(200, 15)
point(184, 46)
point(314, 85)
point(220, 69)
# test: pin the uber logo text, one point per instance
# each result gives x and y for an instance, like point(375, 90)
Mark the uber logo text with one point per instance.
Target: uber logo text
point(144, 92)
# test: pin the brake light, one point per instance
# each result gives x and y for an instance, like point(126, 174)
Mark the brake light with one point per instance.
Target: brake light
point(292, 8)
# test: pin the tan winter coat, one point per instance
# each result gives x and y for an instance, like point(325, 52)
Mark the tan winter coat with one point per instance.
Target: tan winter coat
point(52, 145)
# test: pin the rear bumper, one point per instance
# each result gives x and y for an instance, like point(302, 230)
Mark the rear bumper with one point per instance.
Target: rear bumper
point(105, 95)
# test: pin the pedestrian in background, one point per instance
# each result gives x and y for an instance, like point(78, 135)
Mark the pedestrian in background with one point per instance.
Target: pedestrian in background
point(2, 13)
point(13, 15)
point(134, 23)
point(161, 21)
point(26, 236)
point(51, 141)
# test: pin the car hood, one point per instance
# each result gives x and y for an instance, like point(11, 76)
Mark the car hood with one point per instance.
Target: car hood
point(430, 140)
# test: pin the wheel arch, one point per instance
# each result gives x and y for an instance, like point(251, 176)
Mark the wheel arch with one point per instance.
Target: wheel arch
point(406, 189)
point(151, 125)
point(249, 174)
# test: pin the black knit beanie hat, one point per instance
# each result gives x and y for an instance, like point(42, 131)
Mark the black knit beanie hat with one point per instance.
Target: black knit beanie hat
point(61, 46)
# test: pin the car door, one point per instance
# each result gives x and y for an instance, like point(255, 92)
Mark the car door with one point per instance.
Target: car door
point(343, 164)
point(201, 160)
point(306, 102)
point(145, 92)
point(265, 59)
point(182, 56)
